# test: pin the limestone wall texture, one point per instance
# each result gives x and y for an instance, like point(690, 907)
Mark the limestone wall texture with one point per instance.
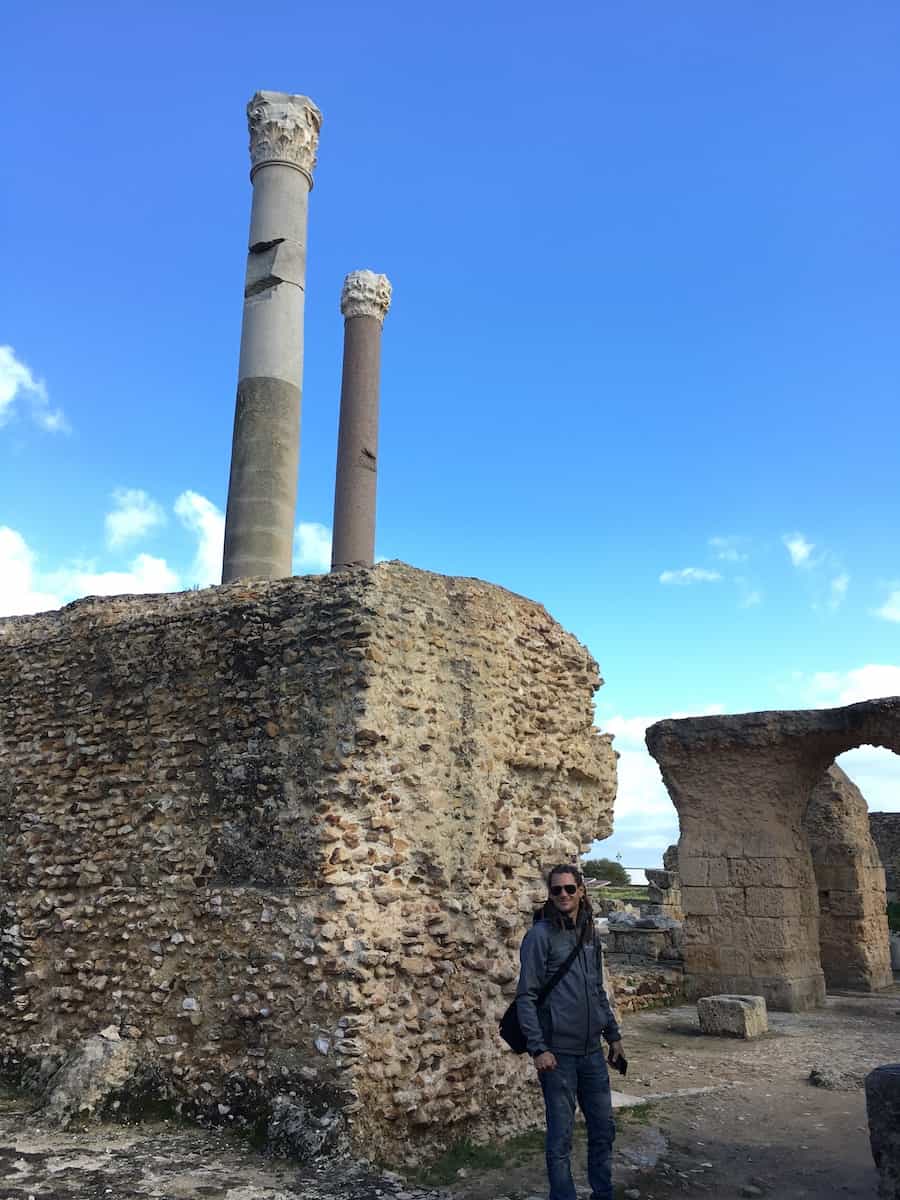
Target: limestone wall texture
point(287, 836)
point(885, 830)
point(742, 785)
point(853, 930)
point(664, 887)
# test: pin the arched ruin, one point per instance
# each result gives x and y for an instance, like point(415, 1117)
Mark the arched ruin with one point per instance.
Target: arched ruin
point(742, 785)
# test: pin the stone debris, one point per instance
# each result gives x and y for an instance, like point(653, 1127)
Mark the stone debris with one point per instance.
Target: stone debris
point(171, 1160)
point(664, 887)
point(836, 1080)
point(85, 1085)
point(733, 1016)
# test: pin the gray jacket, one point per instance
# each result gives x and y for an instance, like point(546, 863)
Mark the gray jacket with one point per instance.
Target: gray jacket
point(577, 1011)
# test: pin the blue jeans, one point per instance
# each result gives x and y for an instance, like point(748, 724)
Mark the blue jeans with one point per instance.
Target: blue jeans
point(583, 1077)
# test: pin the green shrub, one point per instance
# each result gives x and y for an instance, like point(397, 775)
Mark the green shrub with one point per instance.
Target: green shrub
point(606, 868)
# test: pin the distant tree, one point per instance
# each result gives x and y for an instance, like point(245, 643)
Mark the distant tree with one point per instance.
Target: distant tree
point(606, 868)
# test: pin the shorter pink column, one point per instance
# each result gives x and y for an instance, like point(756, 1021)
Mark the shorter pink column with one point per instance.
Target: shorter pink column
point(365, 300)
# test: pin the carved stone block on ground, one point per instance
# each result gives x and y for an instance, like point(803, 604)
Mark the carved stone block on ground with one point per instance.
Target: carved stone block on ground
point(733, 1016)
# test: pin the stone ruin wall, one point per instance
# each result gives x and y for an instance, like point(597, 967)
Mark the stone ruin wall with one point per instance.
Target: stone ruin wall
point(742, 785)
point(853, 937)
point(885, 830)
point(664, 887)
point(287, 837)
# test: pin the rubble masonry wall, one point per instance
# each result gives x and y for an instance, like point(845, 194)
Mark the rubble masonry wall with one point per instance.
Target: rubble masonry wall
point(288, 836)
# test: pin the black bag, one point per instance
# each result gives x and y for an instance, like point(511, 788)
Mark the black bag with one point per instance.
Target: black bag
point(510, 1029)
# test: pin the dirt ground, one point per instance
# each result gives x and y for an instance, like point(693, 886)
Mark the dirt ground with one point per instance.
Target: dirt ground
point(761, 1129)
point(707, 1117)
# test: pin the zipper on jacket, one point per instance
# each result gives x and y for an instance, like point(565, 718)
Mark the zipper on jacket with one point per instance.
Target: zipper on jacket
point(587, 997)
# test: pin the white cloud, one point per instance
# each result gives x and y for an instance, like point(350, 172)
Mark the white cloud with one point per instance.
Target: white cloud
point(838, 590)
point(870, 682)
point(645, 818)
point(146, 574)
point(17, 380)
point(876, 772)
point(799, 549)
point(202, 518)
point(134, 515)
point(19, 590)
point(890, 610)
point(728, 549)
point(312, 548)
point(690, 575)
point(24, 589)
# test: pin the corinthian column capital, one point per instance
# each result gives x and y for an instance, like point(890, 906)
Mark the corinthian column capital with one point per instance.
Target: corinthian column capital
point(366, 294)
point(283, 129)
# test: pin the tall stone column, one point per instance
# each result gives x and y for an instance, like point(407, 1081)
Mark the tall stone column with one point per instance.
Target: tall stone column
point(265, 452)
point(365, 299)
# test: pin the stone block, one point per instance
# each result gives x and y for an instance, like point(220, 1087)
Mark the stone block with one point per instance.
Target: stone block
point(719, 872)
point(643, 943)
point(792, 993)
point(693, 871)
point(883, 1111)
point(731, 901)
point(770, 872)
point(699, 901)
point(735, 961)
point(773, 902)
point(762, 933)
point(846, 904)
point(733, 1016)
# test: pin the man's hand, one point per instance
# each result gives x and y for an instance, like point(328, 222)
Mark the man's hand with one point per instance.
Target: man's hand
point(615, 1051)
point(545, 1061)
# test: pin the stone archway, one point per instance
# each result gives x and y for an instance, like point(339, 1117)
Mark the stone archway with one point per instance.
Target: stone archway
point(742, 786)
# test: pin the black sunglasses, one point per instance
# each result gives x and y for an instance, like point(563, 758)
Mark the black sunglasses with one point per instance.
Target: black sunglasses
point(569, 888)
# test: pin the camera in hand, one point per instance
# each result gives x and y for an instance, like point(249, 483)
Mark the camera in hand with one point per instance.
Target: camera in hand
point(621, 1063)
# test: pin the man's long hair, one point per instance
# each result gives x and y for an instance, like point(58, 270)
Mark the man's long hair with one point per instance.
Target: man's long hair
point(585, 912)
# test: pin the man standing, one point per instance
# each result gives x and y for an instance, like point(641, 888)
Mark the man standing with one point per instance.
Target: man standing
point(564, 1033)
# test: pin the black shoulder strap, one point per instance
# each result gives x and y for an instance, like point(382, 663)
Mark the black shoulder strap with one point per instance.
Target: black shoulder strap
point(561, 969)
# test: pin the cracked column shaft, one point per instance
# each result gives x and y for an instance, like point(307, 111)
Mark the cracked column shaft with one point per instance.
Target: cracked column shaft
point(365, 299)
point(265, 451)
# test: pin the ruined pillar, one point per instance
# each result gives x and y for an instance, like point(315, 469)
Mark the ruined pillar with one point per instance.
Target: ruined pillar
point(854, 941)
point(265, 452)
point(365, 299)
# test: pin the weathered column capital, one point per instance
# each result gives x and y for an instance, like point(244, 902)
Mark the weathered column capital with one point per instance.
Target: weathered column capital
point(284, 129)
point(366, 294)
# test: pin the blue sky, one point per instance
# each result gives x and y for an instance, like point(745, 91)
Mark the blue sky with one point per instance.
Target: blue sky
point(641, 364)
